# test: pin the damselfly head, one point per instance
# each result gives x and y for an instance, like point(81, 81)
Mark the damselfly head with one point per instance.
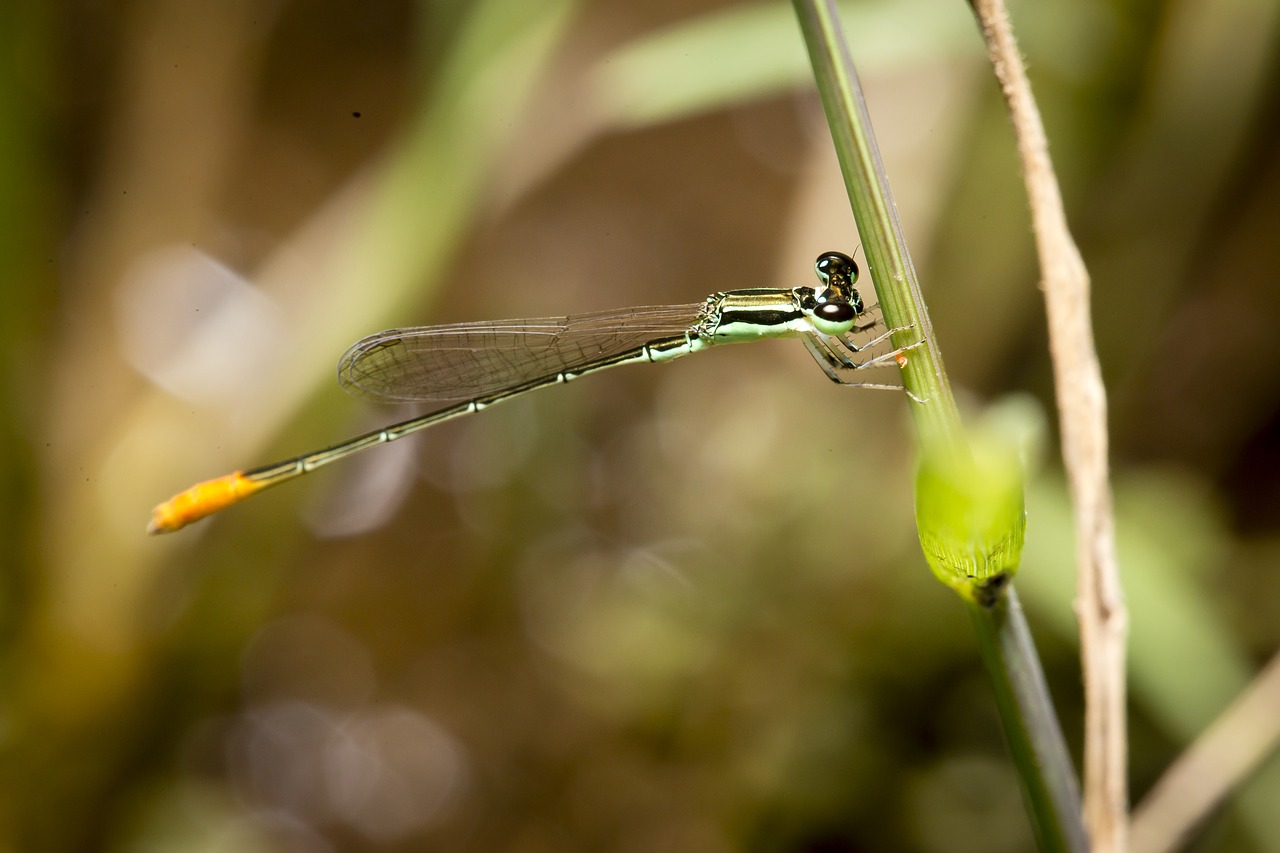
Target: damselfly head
point(836, 270)
point(835, 309)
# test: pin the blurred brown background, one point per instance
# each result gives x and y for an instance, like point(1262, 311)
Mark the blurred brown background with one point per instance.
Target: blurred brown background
point(677, 608)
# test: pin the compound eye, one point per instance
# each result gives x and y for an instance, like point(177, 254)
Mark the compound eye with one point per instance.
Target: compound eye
point(834, 318)
point(835, 268)
point(835, 312)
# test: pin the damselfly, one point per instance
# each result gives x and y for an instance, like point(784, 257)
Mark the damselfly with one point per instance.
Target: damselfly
point(472, 366)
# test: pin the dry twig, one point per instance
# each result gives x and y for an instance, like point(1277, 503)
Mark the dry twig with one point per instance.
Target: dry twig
point(1215, 764)
point(1082, 411)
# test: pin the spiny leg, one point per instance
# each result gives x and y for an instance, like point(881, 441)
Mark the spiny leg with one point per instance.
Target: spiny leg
point(828, 351)
point(873, 319)
point(833, 361)
point(827, 360)
point(853, 346)
point(841, 348)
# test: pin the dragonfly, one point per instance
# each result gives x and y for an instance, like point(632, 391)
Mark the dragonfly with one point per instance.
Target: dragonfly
point(468, 367)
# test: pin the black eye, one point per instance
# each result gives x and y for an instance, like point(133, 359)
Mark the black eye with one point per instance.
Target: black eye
point(835, 312)
point(836, 267)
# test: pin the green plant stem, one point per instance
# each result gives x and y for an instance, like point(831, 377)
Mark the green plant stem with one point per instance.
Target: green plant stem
point(889, 263)
point(1034, 735)
point(1030, 725)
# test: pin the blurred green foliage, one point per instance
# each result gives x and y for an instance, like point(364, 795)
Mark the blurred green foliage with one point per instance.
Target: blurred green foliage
point(680, 608)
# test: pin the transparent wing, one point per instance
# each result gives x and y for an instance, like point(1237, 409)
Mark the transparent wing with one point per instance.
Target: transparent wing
point(463, 361)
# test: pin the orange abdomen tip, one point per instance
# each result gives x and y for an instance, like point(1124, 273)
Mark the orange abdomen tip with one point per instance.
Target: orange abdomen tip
point(200, 500)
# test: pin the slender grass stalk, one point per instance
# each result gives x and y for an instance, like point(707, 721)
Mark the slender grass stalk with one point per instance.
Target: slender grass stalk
point(888, 261)
point(1035, 738)
point(969, 508)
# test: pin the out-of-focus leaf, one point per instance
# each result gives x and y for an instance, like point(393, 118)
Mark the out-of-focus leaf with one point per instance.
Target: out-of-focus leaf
point(754, 51)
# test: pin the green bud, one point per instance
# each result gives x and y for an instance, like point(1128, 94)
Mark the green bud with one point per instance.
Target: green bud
point(970, 512)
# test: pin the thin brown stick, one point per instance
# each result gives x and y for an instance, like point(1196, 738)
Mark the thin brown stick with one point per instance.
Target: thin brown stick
point(1082, 408)
point(1203, 776)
